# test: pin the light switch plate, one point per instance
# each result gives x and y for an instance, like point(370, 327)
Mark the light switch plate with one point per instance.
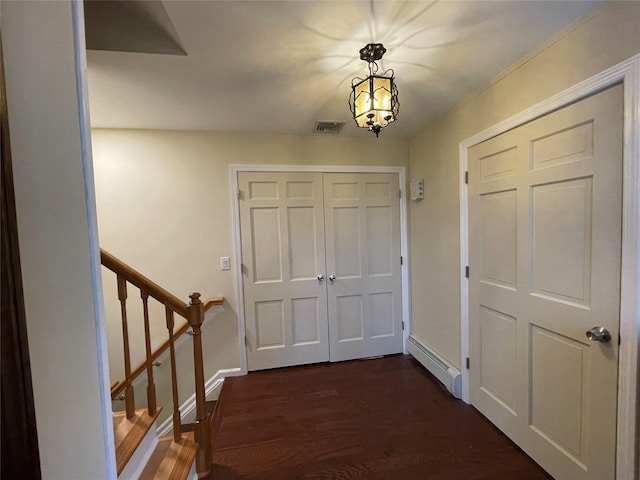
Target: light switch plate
point(225, 263)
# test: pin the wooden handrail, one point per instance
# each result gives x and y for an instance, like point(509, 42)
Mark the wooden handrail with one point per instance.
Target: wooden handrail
point(143, 283)
point(118, 387)
point(212, 302)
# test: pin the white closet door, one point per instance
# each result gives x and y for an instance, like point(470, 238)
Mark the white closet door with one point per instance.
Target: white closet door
point(282, 231)
point(545, 239)
point(362, 222)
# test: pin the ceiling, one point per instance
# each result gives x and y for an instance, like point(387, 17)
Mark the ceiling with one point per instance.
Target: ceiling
point(277, 66)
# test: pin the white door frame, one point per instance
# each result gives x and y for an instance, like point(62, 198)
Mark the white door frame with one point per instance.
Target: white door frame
point(627, 73)
point(234, 169)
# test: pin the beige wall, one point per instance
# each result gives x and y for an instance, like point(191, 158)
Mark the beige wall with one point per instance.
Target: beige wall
point(55, 229)
point(610, 36)
point(164, 207)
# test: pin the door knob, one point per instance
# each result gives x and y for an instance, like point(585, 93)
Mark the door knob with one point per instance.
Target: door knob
point(599, 334)
point(332, 278)
point(320, 277)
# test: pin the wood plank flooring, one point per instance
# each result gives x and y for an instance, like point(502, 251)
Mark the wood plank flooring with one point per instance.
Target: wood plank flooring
point(380, 419)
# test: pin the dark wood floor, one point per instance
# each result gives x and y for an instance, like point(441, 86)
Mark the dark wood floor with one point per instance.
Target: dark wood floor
point(385, 419)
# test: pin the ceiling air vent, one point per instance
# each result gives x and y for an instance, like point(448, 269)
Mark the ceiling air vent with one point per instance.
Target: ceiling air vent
point(328, 128)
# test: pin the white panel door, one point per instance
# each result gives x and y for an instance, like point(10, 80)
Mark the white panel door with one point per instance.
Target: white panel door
point(545, 237)
point(362, 222)
point(282, 231)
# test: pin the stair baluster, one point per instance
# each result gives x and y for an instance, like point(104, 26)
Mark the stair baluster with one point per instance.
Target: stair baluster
point(151, 387)
point(177, 425)
point(129, 400)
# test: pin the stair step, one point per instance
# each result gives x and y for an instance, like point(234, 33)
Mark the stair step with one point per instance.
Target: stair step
point(171, 460)
point(129, 432)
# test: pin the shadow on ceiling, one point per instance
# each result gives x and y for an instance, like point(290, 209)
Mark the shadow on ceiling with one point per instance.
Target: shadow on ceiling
point(130, 26)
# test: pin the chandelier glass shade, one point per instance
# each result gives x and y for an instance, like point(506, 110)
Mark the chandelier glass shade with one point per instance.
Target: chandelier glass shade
point(374, 99)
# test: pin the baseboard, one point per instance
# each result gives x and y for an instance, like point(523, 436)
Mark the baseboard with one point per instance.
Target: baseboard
point(188, 408)
point(446, 373)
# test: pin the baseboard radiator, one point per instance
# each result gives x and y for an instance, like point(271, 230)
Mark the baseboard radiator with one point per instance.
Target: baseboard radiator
point(446, 373)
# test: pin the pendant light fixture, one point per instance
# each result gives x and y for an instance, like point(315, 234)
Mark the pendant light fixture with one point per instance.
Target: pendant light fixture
point(374, 100)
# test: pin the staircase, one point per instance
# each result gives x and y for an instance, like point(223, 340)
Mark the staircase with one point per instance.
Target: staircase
point(140, 454)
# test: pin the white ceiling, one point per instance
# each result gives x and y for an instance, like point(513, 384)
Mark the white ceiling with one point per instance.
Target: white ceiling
point(277, 66)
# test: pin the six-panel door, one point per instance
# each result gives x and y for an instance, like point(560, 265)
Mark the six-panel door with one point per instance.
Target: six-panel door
point(362, 222)
point(282, 231)
point(544, 244)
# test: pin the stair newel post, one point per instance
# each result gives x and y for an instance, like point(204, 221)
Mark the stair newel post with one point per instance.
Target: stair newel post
point(177, 426)
point(195, 316)
point(151, 387)
point(129, 401)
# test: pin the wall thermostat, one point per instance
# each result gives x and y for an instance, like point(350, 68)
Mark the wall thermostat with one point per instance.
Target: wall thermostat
point(417, 189)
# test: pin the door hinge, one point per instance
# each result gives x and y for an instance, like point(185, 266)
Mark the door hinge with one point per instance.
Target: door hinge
point(399, 193)
point(246, 342)
point(466, 271)
point(466, 177)
point(401, 260)
point(239, 194)
point(403, 325)
point(468, 363)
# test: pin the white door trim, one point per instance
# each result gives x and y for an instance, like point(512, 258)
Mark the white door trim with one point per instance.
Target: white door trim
point(234, 169)
point(627, 73)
